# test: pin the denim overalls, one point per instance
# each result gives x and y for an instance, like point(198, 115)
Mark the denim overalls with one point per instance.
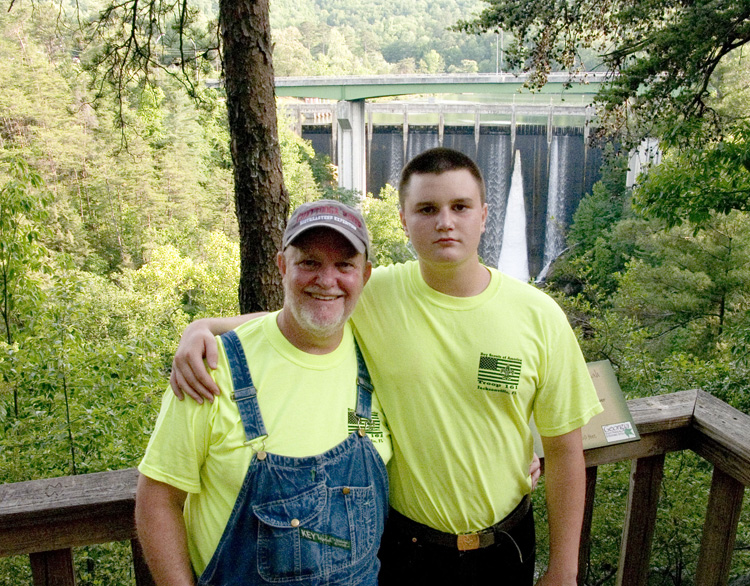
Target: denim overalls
point(314, 520)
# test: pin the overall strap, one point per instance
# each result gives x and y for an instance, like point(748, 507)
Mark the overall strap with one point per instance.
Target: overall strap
point(364, 387)
point(244, 394)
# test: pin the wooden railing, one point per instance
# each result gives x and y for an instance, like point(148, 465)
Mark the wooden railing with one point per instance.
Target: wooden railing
point(47, 518)
point(689, 420)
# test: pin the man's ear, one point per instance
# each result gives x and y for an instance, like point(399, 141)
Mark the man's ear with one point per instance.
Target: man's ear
point(367, 272)
point(485, 213)
point(281, 263)
point(403, 221)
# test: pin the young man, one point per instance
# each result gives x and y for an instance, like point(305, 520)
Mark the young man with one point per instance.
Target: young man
point(462, 356)
point(277, 481)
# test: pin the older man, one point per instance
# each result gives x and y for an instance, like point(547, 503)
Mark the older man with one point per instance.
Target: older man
point(282, 478)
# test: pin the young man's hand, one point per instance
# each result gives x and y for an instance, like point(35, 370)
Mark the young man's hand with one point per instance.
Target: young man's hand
point(189, 373)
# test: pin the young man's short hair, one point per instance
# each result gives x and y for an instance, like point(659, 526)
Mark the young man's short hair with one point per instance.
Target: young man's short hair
point(436, 161)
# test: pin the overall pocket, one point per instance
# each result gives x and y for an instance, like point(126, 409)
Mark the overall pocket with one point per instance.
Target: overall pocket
point(316, 534)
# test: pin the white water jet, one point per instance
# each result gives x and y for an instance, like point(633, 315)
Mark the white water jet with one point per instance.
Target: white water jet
point(514, 256)
point(554, 233)
point(396, 159)
point(492, 158)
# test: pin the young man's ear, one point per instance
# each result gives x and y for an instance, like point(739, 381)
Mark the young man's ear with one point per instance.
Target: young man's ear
point(485, 213)
point(403, 221)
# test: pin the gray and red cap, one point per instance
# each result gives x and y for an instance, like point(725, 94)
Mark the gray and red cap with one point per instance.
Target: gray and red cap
point(328, 213)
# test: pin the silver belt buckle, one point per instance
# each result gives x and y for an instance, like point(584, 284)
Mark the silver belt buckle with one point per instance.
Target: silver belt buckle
point(468, 542)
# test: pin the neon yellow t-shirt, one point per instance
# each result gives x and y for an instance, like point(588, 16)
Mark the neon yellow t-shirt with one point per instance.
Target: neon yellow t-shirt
point(458, 379)
point(305, 401)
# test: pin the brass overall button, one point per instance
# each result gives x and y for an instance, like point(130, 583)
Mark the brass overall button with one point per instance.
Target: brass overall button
point(295, 523)
point(346, 490)
point(261, 455)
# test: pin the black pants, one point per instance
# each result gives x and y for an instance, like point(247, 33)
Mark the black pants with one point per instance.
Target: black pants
point(501, 564)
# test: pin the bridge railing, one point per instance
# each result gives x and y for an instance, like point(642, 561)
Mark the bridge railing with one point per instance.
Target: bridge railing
point(46, 519)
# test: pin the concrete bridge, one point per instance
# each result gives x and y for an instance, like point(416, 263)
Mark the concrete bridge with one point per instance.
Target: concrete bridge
point(353, 87)
point(564, 93)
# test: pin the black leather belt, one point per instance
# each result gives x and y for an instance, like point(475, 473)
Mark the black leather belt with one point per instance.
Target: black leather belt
point(416, 532)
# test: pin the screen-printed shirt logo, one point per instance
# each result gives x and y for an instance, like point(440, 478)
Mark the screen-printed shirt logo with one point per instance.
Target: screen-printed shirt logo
point(372, 427)
point(498, 373)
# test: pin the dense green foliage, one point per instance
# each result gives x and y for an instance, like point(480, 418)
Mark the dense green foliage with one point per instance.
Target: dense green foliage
point(710, 172)
point(110, 242)
point(311, 37)
point(336, 37)
point(669, 308)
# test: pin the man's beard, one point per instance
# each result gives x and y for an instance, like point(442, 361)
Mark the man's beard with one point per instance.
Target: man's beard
point(317, 326)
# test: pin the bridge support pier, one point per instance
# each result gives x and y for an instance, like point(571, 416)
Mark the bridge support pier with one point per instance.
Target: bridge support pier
point(350, 145)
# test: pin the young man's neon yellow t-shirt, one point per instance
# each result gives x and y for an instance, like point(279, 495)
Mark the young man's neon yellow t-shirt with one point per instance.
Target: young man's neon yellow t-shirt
point(458, 379)
point(307, 403)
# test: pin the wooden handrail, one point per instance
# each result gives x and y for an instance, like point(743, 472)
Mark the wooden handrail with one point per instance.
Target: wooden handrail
point(46, 518)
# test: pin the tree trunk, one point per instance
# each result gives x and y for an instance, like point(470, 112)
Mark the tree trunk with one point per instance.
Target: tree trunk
point(260, 198)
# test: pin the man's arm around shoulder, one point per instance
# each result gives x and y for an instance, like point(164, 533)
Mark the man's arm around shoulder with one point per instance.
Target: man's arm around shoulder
point(565, 474)
point(162, 533)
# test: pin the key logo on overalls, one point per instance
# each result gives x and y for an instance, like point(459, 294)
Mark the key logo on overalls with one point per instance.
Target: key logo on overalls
point(324, 539)
point(498, 373)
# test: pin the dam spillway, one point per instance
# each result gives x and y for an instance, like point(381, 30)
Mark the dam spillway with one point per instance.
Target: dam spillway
point(557, 166)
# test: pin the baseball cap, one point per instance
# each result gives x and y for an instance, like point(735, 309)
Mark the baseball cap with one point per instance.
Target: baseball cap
point(329, 213)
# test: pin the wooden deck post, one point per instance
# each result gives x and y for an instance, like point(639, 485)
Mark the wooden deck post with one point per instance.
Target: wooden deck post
point(53, 568)
point(640, 520)
point(719, 530)
point(584, 549)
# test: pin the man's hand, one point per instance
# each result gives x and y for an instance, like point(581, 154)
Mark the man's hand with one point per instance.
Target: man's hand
point(535, 471)
point(189, 373)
